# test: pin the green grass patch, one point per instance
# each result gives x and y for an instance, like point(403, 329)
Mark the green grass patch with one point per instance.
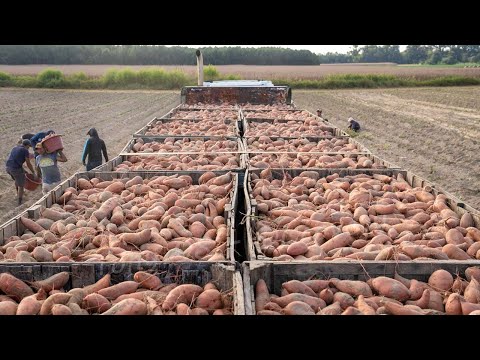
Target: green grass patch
point(160, 79)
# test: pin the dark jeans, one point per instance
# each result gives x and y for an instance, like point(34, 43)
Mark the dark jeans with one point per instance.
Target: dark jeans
point(93, 164)
point(18, 175)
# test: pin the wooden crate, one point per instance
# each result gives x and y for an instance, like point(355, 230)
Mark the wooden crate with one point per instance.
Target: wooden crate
point(112, 164)
point(253, 245)
point(15, 226)
point(225, 276)
point(277, 273)
point(233, 131)
point(161, 139)
point(334, 133)
point(379, 162)
point(317, 139)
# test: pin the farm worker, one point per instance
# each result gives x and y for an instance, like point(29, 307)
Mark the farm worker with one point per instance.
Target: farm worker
point(27, 136)
point(39, 137)
point(93, 148)
point(47, 167)
point(353, 124)
point(319, 114)
point(14, 166)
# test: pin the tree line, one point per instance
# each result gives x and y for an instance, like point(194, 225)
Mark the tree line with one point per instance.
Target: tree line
point(178, 55)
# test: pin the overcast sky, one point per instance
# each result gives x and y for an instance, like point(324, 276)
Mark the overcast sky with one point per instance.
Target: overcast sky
point(317, 49)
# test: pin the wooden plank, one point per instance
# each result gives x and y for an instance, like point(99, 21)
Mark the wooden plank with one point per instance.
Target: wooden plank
point(34, 212)
point(82, 275)
point(238, 295)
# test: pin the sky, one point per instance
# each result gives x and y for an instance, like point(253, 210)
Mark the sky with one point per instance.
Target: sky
point(317, 49)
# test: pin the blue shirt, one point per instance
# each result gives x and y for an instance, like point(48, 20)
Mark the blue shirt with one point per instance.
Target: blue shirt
point(48, 165)
point(37, 138)
point(17, 157)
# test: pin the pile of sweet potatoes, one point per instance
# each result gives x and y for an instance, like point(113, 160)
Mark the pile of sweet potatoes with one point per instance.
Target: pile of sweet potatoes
point(288, 128)
point(206, 106)
point(123, 220)
point(215, 114)
point(176, 145)
point(276, 106)
point(144, 295)
point(311, 160)
point(442, 295)
point(278, 114)
point(193, 128)
point(207, 161)
point(358, 217)
point(267, 144)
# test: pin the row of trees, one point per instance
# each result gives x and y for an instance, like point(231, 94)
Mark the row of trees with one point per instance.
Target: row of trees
point(176, 55)
point(413, 54)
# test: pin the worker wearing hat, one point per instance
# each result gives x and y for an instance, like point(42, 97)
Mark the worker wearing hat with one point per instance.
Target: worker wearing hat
point(14, 166)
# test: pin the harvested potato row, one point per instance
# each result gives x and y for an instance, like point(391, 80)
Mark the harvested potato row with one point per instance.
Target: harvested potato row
point(176, 145)
point(357, 217)
point(267, 144)
point(193, 128)
point(156, 219)
point(441, 295)
point(306, 160)
point(288, 129)
point(207, 106)
point(215, 114)
point(215, 161)
point(277, 106)
point(279, 115)
point(144, 295)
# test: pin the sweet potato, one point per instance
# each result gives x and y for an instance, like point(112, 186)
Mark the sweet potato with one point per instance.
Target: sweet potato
point(58, 298)
point(31, 225)
point(96, 303)
point(29, 306)
point(390, 288)
point(298, 308)
point(147, 280)
point(314, 302)
point(114, 291)
point(199, 249)
point(333, 309)
point(453, 305)
point(103, 283)
point(185, 293)
point(13, 287)
point(441, 280)
point(60, 309)
point(295, 286)
point(128, 307)
point(8, 308)
point(56, 281)
point(106, 209)
point(395, 309)
point(472, 292)
point(338, 241)
point(262, 296)
point(84, 184)
point(472, 272)
point(136, 239)
point(209, 300)
point(352, 287)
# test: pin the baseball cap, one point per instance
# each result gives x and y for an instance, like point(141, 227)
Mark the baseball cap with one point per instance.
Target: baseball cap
point(38, 146)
